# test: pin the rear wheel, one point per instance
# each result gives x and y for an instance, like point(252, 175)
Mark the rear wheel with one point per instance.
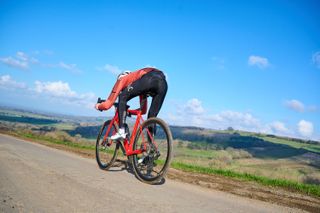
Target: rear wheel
point(106, 149)
point(155, 139)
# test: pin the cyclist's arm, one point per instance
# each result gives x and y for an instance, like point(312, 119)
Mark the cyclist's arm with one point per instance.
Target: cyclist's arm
point(120, 84)
point(112, 97)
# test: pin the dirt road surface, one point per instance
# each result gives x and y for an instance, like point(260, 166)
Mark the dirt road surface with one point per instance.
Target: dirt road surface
point(36, 178)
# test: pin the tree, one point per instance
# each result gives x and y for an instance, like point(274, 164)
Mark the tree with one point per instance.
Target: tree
point(230, 128)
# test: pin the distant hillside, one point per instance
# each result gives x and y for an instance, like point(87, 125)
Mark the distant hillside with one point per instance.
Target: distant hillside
point(88, 127)
point(214, 136)
point(14, 112)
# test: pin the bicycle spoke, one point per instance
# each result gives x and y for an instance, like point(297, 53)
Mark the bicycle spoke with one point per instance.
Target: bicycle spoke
point(106, 150)
point(152, 165)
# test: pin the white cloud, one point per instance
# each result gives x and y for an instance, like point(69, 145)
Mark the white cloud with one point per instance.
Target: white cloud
point(237, 120)
point(73, 68)
point(22, 56)
point(193, 113)
point(56, 89)
point(70, 67)
point(21, 61)
point(244, 121)
point(6, 82)
point(15, 63)
point(61, 92)
point(305, 128)
point(279, 127)
point(295, 105)
point(316, 59)
point(298, 106)
point(258, 61)
point(194, 106)
point(110, 68)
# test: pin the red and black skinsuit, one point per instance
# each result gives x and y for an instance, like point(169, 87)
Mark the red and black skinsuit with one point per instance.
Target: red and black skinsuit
point(144, 82)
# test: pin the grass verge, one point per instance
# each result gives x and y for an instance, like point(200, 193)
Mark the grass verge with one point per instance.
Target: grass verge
point(310, 189)
point(36, 137)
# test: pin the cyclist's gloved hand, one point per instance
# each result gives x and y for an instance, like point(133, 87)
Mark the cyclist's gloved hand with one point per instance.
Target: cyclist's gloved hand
point(97, 107)
point(105, 105)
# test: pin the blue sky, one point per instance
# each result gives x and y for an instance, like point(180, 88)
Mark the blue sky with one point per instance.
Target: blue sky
point(252, 65)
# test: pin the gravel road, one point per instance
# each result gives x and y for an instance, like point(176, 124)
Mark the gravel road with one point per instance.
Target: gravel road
point(36, 178)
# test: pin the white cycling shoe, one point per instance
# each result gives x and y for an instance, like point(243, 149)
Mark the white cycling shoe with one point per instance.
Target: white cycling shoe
point(120, 135)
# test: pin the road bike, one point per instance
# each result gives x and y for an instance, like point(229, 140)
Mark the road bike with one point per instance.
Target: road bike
point(148, 148)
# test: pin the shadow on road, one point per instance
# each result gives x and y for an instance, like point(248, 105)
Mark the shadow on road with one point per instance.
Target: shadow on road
point(124, 165)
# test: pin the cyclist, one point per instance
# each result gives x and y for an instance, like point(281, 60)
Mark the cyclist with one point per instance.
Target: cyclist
point(143, 83)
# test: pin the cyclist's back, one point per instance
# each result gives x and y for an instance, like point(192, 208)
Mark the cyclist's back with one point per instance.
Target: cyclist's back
point(144, 82)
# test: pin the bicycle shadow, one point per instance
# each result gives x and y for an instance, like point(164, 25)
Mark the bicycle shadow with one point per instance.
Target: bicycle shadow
point(124, 165)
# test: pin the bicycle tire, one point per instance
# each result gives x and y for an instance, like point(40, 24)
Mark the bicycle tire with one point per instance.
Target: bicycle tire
point(105, 154)
point(152, 165)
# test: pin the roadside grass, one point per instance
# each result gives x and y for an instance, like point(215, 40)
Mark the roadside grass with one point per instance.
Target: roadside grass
point(39, 138)
point(310, 189)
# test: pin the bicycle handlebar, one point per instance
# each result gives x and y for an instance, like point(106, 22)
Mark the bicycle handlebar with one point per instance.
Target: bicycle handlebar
point(130, 112)
point(100, 100)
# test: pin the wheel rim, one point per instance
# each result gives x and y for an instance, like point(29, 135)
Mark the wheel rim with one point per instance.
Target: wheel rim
point(151, 164)
point(106, 150)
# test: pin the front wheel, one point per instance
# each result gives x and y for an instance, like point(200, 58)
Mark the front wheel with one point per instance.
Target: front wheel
point(106, 149)
point(154, 138)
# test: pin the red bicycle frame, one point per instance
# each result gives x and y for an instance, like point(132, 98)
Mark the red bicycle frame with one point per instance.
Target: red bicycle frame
point(128, 145)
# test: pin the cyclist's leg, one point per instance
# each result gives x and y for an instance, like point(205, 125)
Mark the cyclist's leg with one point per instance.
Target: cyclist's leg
point(121, 133)
point(122, 107)
point(137, 88)
point(154, 83)
point(158, 97)
point(157, 100)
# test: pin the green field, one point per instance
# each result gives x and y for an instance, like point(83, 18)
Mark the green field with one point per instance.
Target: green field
point(305, 146)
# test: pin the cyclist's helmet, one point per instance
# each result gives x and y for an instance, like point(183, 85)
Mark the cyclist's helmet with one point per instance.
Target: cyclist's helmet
point(123, 74)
